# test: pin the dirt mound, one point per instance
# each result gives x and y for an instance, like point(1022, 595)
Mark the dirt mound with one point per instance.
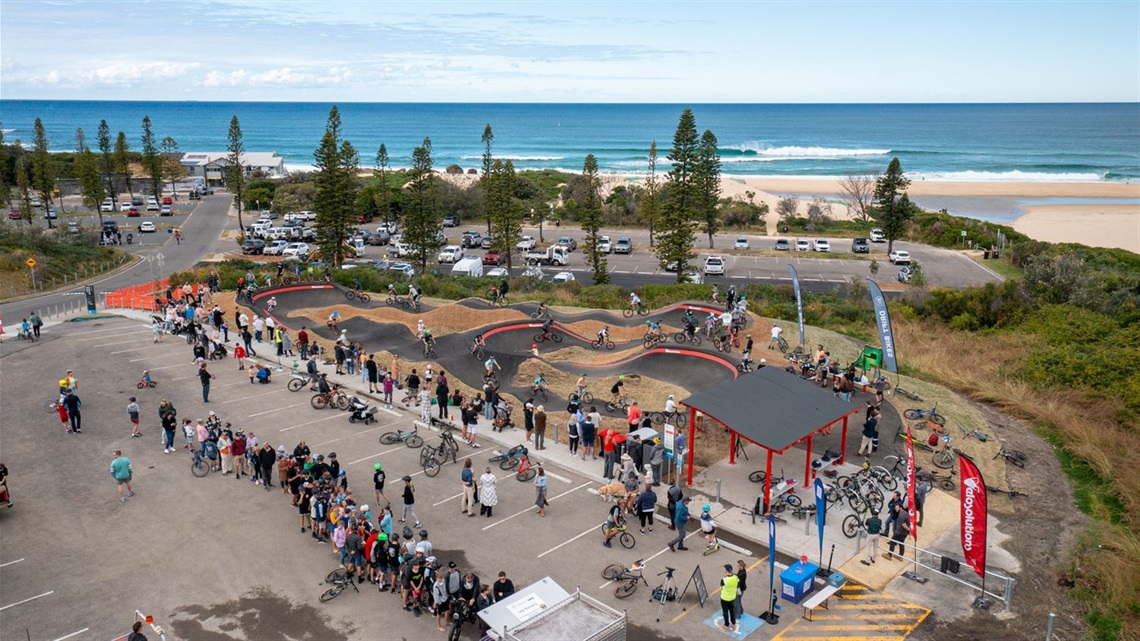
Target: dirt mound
point(449, 319)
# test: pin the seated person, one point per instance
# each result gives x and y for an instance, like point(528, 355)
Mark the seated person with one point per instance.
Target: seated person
point(263, 375)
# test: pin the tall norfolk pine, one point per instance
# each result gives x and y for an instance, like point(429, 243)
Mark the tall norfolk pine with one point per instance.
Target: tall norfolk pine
point(235, 173)
point(336, 161)
point(590, 215)
point(423, 220)
point(681, 198)
point(707, 179)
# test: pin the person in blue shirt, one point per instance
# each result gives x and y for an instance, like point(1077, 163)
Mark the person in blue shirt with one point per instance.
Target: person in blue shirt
point(121, 471)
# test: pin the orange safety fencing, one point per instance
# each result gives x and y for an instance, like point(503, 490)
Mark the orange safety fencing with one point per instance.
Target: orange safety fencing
point(142, 296)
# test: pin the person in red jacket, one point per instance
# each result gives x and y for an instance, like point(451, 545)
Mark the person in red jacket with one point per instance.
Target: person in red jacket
point(239, 354)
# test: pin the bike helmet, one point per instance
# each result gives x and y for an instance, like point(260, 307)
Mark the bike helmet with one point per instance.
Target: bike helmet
point(364, 508)
point(763, 361)
point(582, 374)
point(621, 377)
point(382, 537)
point(427, 332)
point(706, 508)
point(647, 322)
point(377, 467)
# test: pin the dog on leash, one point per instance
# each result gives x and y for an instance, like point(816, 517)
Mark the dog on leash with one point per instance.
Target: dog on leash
point(612, 492)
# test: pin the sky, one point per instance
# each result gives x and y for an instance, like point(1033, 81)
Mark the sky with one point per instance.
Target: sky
point(580, 51)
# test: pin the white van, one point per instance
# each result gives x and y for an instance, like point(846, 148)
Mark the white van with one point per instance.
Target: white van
point(468, 267)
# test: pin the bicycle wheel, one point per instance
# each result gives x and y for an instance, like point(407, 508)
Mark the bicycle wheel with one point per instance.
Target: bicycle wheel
point(680, 419)
point(885, 479)
point(758, 476)
point(851, 526)
point(627, 541)
point(341, 401)
point(391, 300)
point(782, 343)
point(388, 438)
point(51, 406)
point(612, 571)
point(610, 345)
point(543, 395)
point(943, 458)
point(857, 503)
point(502, 301)
point(938, 419)
point(364, 298)
point(586, 398)
point(657, 418)
point(556, 337)
point(414, 441)
point(627, 312)
point(455, 632)
point(426, 453)
point(875, 500)
point(793, 500)
point(199, 467)
point(319, 401)
point(912, 414)
point(947, 484)
point(350, 294)
point(832, 494)
point(331, 593)
point(338, 574)
point(432, 465)
point(642, 310)
point(647, 343)
point(295, 384)
point(525, 475)
point(626, 589)
point(509, 463)
point(595, 344)
point(610, 407)
point(680, 337)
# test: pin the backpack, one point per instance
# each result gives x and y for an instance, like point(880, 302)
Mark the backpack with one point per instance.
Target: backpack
point(211, 449)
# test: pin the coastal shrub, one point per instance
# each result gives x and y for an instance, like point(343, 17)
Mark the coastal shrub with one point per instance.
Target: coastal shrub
point(964, 322)
point(603, 297)
point(799, 225)
point(944, 230)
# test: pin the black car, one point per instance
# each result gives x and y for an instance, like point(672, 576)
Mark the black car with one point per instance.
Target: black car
point(111, 226)
point(253, 246)
point(378, 238)
point(860, 246)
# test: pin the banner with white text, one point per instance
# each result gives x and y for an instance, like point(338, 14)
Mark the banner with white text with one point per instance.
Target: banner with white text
point(883, 320)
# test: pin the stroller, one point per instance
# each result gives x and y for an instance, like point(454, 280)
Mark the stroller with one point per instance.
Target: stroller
point(502, 418)
point(220, 352)
point(361, 411)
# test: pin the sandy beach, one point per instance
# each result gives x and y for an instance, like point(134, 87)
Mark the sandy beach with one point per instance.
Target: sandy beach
point(1094, 225)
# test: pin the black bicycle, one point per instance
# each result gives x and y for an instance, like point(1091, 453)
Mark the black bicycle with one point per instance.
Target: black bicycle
point(357, 293)
point(341, 579)
point(1013, 456)
point(653, 339)
point(1011, 493)
point(679, 419)
point(641, 310)
point(684, 337)
point(607, 343)
point(552, 336)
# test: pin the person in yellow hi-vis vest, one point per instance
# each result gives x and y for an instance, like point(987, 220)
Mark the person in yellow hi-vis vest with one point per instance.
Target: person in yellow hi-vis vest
point(728, 587)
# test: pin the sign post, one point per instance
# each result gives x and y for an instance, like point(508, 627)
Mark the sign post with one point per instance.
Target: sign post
point(89, 293)
point(31, 263)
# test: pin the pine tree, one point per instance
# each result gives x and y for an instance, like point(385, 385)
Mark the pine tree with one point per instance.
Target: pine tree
point(893, 208)
point(336, 161)
point(383, 193)
point(423, 221)
point(488, 161)
point(235, 173)
point(650, 209)
point(23, 184)
point(43, 173)
point(504, 216)
point(151, 160)
point(5, 188)
point(707, 179)
point(680, 199)
point(172, 162)
point(87, 171)
point(590, 216)
point(123, 160)
point(106, 148)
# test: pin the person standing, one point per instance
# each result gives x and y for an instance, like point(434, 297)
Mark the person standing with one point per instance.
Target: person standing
point(373, 373)
point(503, 587)
point(121, 471)
point(409, 502)
point(378, 478)
point(72, 403)
point(205, 377)
point(673, 496)
point(37, 323)
point(247, 339)
point(633, 416)
point(896, 499)
point(258, 327)
point(239, 354)
point(266, 458)
point(425, 405)
point(303, 342)
point(870, 429)
point(441, 394)
point(902, 529)
point(646, 505)
point(540, 428)
point(742, 585)
point(467, 481)
point(488, 497)
point(133, 412)
point(874, 527)
point(540, 491)
point(609, 453)
point(656, 460)
point(225, 450)
point(680, 520)
point(920, 491)
point(729, 586)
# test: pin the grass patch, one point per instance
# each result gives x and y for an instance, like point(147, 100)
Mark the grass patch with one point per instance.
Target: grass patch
point(1002, 267)
point(58, 255)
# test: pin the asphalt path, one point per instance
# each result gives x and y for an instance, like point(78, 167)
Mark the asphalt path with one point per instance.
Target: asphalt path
point(201, 554)
point(200, 231)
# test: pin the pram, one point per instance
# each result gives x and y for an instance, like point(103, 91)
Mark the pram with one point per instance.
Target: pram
point(361, 411)
point(220, 352)
point(502, 417)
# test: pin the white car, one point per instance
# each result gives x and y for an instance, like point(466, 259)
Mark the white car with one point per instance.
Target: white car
point(403, 268)
point(147, 228)
point(877, 236)
point(605, 246)
point(108, 205)
point(821, 245)
point(526, 244)
point(534, 272)
point(497, 272)
point(276, 247)
point(714, 266)
point(296, 249)
point(166, 211)
point(124, 205)
point(450, 254)
point(152, 205)
point(563, 277)
point(694, 277)
point(900, 257)
point(803, 246)
point(742, 243)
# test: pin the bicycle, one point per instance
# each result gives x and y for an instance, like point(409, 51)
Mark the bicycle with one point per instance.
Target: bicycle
point(200, 466)
point(495, 298)
point(448, 446)
point(429, 350)
point(1011, 493)
point(783, 501)
point(341, 579)
point(541, 393)
point(411, 438)
point(945, 457)
point(335, 399)
point(679, 419)
point(551, 336)
point(298, 380)
point(52, 406)
point(909, 394)
point(357, 293)
point(653, 339)
point(526, 469)
point(934, 427)
point(684, 337)
point(880, 475)
point(544, 313)
point(854, 523)
point(396, 299)
point(944, 482)
point(640, 309)
point(502, 456)
point(1012, 456)
point(432, 459)
point(462, 613)
point(479, 353)
point(631, 577)
point(599, 343)
point(931, 414)
point(491, 379)
point(759, 475)
point(586, 397)
point(860, 487)
point(626, 539)
point(618, 404)
point(722, 344)
point(511, 459)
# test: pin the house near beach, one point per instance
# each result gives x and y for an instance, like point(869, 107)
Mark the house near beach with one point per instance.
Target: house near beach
point(211, 166)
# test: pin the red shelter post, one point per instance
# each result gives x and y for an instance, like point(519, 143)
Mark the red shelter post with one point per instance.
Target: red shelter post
point(692, 444)
point(732, 447)
point(767, 481)
point(807, 463)
point(843, 443)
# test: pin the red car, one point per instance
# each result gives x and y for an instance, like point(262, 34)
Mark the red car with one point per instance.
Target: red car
point(167, 200)
point(490, 258)
point(14, 214)
point(133, 212)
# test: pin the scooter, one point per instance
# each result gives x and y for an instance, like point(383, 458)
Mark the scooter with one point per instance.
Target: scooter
point(361, 411)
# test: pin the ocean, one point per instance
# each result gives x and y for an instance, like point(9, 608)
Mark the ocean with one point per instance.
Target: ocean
point(967, 142)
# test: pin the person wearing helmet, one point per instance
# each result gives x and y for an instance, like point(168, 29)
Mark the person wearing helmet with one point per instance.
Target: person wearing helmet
point(654, 328)
point(428, 341)
point(378, 478)
point(604, 334)
point(539, 384)
point(618, 391)
point(581, 384)
point(670, 407)
point(708, 528)
point(634, 302)
point(748, 344)
point(547, 328)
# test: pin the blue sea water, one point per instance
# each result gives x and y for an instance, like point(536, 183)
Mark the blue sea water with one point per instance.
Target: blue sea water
point(969, 142)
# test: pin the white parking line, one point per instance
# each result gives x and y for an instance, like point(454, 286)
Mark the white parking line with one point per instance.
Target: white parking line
point(105, 329)
point(38, 596)
point(392, 412)
point(277, 409)
point(367, 458)
point(452, 498)
point(155, 369)
point(132, 340)
point(323, 443)
point(4, 565)
point(76, 633)
point(125, 351)
point(337, 415)
point(556, 476)
point(535, 507)
point(235, 400)
point(663, 551)
point(593, 529)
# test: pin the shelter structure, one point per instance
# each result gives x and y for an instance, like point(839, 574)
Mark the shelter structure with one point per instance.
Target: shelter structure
point(773, 409)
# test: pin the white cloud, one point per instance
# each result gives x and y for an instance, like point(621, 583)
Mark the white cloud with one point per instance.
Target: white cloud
point(280, 77)
point(128, 72)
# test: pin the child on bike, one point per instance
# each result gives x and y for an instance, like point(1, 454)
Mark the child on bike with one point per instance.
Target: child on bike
point(690, 328)
point(539, 383)
point(146, 380)
point(634, 301)
point(604, 334)
point(428, 341)
point(618, 390)
point(491, 365)
point(477, 343)
point(580, 386)
point(547, 327)
point(708, 528)
point(614, 521)
point(654, 328)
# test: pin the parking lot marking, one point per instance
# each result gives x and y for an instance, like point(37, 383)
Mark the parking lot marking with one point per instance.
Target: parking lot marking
point(368, 458)
point(337, 415)
point(452, 498)
point(38, 596)
point(76, 633)
point(341, 438)
point(155, 369)
point(235, 400)
point(717, 591)
point(533, 506)
point(106, 329)
point(131, 340)
point(124, 351)
point(277, 409)
point(4, 565)
point(392, 412)
point(593, 529)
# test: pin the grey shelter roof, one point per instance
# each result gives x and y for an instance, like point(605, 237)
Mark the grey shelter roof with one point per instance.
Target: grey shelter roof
point(771, 407)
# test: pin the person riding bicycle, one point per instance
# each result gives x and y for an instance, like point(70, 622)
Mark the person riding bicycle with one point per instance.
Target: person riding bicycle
point(542, 310)
point(581, 384)
point(690, 328)
point(670, 406)
point(688, 317)
point(654, 328)
point(539, 383)
point(420, 327)
point(604, 334)
point(477, 343)
point(356, 286)
point(634, 301)
point(618, 389)
point(146, 378)
point(504, 287)
point(715, 294)
point(414, 295)
point(708, 528)
point(428, 340)
point(747, 345)
point(271, 304)
point(547, 327)
point(614, 521)
point(334, 318)
point(491, 365)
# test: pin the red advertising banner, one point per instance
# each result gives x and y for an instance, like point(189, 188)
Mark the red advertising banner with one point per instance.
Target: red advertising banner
point(912, 507)
point(973, 517)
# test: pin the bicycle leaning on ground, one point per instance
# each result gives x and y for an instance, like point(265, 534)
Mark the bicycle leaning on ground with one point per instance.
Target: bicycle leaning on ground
point(341, 579)
point(628, 577)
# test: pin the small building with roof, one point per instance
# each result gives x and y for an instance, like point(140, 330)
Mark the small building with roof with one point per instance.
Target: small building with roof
point(210, 166)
